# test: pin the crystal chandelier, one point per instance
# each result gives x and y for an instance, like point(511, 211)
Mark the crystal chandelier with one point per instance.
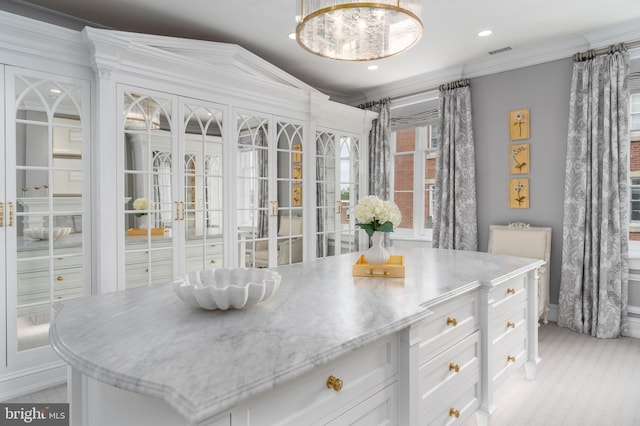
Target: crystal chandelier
point(359, 30)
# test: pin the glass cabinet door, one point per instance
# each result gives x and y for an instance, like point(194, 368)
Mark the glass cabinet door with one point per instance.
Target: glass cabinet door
point(203, 187)
point(46, 190)
point(349, 193)
point(252, 191)
point(149, 192)
point(328, 202)
point(290, 196)
point(337, 193)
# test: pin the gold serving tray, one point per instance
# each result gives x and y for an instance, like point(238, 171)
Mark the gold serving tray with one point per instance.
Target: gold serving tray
point(143, 232)
point(394, 268)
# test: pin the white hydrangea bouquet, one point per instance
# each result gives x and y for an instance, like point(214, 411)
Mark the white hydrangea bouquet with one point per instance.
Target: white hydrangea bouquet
point(373, 215)
point(142, 204)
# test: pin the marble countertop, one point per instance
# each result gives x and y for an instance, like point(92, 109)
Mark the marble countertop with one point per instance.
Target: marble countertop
point(148, 341)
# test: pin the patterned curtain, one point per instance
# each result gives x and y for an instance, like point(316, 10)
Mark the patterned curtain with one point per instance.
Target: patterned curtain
point(380, 149)
point(455, 224)
point(594, 278)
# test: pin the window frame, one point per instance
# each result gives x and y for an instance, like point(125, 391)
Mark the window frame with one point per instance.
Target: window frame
point(423, 149)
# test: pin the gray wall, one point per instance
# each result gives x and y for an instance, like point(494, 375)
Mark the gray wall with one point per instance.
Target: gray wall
point(544, 89)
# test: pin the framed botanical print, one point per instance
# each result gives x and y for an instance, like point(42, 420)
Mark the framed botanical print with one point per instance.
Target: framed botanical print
point(519, 193)
point(519, 124)
point(519, 159)
point(296, 196)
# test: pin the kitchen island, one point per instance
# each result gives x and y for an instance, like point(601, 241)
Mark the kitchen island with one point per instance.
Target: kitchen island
point(142, 356)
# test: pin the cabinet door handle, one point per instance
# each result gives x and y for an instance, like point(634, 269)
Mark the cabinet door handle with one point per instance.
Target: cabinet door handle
point(452, 321)
point(511, 358)
point(511, 324)
point(454, 413)
point(334, 383)
point(213, 261)
point(183, 210)
point(454, 367)
point(177, 203)
point(511, 291)
point(1, 213)
point(10, 213)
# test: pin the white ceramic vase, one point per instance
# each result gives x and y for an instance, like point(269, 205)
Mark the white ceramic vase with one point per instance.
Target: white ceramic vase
point(143, 221)
point(377, 254)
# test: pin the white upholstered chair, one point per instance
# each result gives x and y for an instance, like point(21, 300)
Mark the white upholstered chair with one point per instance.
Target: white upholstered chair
point(519, 239)
point(289, 243)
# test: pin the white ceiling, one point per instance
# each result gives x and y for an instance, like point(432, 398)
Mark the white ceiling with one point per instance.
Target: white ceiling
point(450, 38)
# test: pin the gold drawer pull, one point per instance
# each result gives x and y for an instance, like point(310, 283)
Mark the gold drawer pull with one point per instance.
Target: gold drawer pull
point(511, 291)
point(60, 278)
point(334, 383)
point(454, 413)
point(511, 324)
point(511, 358)
point(213, 261)
point(452, 321)
point(454, 367)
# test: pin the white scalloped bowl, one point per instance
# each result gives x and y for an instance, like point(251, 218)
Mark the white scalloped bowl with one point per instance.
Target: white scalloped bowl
point(43, 233)
point(226, 288)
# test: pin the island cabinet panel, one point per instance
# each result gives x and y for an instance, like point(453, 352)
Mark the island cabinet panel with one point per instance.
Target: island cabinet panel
point(366, 391)
point(110, 406)
point(511, 337)
point(448, 368)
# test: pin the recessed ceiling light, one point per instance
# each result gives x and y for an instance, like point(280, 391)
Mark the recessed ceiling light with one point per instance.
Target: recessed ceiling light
point(372, 67)
point(292, 36)
point(485, 33)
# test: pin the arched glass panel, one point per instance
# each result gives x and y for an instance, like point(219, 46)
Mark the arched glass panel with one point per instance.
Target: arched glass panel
point(49, 188)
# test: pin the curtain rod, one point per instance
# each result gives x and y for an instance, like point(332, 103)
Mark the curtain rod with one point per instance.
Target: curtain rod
point(616, 47)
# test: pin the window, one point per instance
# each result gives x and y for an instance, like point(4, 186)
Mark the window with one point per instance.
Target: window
point(413, 178)
point(634, 167)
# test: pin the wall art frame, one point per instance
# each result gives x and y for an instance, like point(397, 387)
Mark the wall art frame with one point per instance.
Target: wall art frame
point(519, 124)
point(519, 191)
point(519, 159)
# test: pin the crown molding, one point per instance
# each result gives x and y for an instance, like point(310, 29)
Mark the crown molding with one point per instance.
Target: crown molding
point(519, 57)
point(23, 36)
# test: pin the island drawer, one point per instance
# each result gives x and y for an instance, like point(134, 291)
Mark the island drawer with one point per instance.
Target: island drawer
point(310, 398)
point(509, 292)
point(453, 407)
point(509, 355)
point(445, 372)
point(450, 321)
point(511, 321)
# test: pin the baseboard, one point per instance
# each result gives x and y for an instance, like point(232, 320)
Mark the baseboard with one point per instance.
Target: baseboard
point(633, 318)
point(23, 382)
